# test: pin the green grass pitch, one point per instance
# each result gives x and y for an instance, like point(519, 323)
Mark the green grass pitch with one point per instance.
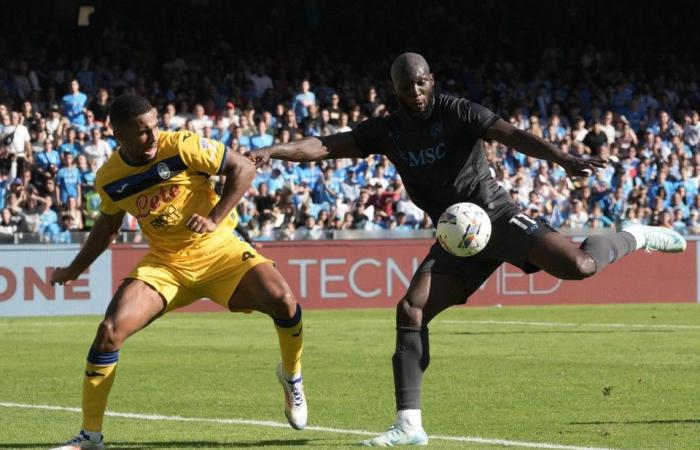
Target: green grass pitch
point(592, 376)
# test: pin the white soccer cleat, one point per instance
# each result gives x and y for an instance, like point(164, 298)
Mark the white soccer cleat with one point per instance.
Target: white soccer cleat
point(82, 442)
point(294, 400)
point(659, 239)
point(398, 435)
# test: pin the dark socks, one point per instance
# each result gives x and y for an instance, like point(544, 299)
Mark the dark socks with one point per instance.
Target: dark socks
point(608, 248)
point(410, 361)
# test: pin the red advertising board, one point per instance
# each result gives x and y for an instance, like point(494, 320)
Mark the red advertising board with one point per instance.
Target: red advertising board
point(375, 273)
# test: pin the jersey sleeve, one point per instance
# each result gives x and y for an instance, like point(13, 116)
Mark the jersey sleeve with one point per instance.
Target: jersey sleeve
point(475, 117)
point(201, 154)
point(107, 205)
point(370, 136)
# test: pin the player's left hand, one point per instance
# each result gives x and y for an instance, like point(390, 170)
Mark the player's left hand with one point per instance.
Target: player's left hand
point(580, 167)
point(200, 224)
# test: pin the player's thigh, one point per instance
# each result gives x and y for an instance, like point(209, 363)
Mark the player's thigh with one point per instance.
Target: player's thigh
point(457, 290)
point(167, 279)
point(442, 280)
point(263, 289)
point(239, 278)
point(557, 255)
point(133, 306)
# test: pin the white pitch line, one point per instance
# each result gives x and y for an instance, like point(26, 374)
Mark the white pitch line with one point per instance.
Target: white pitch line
point(268, 423)
point(571, 324)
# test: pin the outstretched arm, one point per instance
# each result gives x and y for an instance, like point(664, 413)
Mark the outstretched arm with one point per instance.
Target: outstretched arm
point(341, 145)
point(536, 147)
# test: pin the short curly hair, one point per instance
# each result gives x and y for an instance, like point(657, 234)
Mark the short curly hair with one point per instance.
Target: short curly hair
point(126, 107)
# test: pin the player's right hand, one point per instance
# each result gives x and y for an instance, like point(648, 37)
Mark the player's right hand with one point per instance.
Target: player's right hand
point(61, 275)
point(259, 157)
point(581, 167)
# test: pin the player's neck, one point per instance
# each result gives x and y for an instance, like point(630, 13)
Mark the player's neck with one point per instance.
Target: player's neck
point(128, 160)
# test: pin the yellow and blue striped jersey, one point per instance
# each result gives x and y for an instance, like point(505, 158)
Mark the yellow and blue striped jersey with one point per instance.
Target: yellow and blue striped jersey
point(164, 193)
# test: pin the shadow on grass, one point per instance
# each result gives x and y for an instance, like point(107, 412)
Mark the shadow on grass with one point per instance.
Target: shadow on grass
point(179, 444)
point(640, 422)
point(487, 333)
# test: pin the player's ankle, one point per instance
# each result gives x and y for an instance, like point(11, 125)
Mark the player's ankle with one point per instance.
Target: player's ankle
point(410, 418)
point(94, 436)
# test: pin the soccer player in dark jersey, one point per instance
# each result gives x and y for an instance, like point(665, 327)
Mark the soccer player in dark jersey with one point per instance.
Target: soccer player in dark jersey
point(435, 142)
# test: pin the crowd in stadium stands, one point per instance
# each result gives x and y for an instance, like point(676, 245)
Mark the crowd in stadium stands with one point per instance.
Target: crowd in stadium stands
point(55, 132)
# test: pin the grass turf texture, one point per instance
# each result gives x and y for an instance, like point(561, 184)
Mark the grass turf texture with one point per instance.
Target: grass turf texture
point(582, 385)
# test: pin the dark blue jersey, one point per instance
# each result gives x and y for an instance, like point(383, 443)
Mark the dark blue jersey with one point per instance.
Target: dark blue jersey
point(441, 159)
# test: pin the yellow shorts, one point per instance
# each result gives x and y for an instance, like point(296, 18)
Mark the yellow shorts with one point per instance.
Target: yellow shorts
point(211, 271)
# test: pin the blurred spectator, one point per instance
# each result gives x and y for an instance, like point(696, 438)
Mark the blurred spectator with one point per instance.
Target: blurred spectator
point(68, 179)
point(16, 140)
point(97, 149)
point(261, 138)
point(595, 139)
point(74, 104)
point(100, 107)
point(303, 100)
point(8, 226)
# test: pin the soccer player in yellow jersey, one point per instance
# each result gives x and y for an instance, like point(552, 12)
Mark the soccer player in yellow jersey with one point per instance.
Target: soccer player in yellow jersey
point(161, 178)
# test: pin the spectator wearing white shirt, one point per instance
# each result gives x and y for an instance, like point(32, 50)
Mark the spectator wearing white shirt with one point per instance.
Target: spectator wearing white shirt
point(691, 130)
point(608, 127)
point(261, 81)
point(98, 149)
point(200, 120)
point(16, 137)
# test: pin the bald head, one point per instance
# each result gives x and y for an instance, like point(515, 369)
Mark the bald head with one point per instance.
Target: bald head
point(413, 85)
point(408, 66)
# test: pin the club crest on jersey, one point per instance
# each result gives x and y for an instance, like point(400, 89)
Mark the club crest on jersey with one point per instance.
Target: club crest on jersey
point(163, 170)
point(436, 130)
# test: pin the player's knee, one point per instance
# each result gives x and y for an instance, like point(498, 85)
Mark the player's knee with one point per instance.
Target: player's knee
point(408, 315)
point(584, 267)
point(282, 303)
point(108, 338)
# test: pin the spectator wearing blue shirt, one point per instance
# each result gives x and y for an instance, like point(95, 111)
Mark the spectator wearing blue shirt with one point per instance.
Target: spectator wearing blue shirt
point(6, 180)
point(276, 181)
point(68, 179)
point(71, 143)
point(290, 173)
point(87, 177)
point(48, 219)
point(47, 161)
point(677, 204)
point(309, 173)
point(242, 139)
point(64, 234)
point(221, 132)
point(327, 187)
point(303, 100)
point(74, 104)
point(261, 138)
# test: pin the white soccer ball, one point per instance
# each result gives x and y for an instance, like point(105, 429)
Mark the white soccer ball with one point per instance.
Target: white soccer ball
point(464, 229)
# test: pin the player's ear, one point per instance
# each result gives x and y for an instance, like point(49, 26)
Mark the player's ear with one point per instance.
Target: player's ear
point(432, 79)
